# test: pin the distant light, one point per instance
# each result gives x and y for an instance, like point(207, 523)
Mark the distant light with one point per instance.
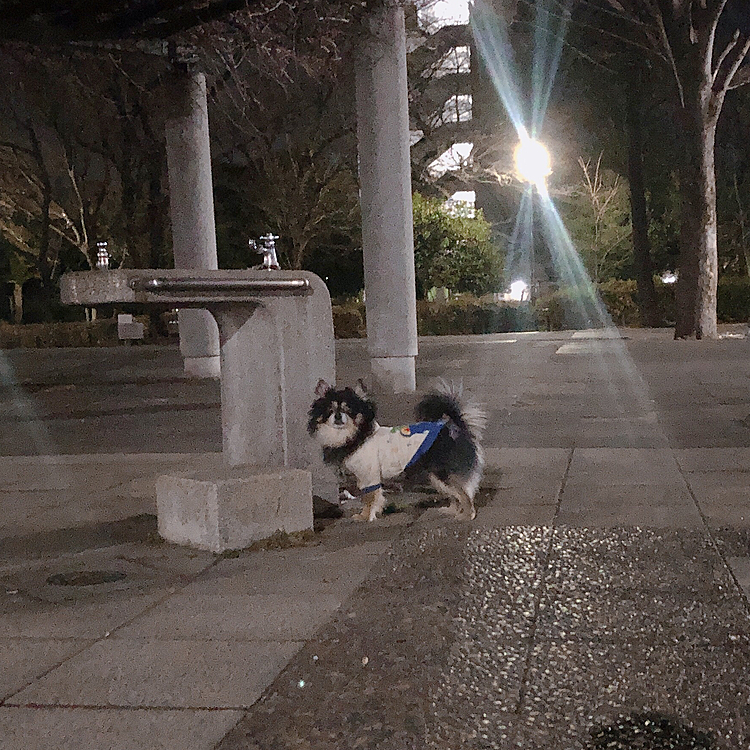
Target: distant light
point(532, 162)
point(102, 255)
point(519, 291)
point(669, 277)
point(301, 683)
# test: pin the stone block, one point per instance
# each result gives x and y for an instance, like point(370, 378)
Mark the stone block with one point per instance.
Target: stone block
point(234, 508)
point(128, 329)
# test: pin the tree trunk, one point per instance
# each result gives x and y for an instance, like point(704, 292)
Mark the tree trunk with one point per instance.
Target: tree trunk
point(699, 266)
point(648, 304)
point(44, 267)
point(17, 302)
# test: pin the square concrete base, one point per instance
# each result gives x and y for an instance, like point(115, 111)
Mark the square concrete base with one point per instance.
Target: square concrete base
point(233, 510)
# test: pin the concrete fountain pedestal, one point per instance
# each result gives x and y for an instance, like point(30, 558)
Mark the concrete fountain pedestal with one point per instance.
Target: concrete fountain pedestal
point(276, 338)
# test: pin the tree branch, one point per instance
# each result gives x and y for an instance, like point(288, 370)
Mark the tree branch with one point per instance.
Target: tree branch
point(729, 63)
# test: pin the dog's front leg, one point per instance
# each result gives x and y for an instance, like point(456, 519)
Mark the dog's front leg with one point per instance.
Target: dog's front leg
point(373, 503)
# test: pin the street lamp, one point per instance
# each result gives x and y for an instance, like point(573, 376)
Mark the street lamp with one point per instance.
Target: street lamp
point(532, 162)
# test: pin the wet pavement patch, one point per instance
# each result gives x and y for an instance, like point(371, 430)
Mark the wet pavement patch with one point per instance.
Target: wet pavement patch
point(649, 732)
point(523, 637)
point(86, 578)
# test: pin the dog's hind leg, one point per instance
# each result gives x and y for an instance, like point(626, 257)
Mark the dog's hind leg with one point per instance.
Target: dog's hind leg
point(446, 491)
point(466, 510)
point(373, 503)
point(461, 501)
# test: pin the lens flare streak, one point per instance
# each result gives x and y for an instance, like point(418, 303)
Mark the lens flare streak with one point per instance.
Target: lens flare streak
point(628, 392)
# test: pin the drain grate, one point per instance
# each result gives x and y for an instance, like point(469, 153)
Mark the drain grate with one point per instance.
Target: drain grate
point(649, 731)
point(85, 578)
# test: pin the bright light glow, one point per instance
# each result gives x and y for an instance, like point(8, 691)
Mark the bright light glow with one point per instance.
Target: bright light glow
point(519, 291)
point(669, 277)
point(538, 224)
point(532, 162)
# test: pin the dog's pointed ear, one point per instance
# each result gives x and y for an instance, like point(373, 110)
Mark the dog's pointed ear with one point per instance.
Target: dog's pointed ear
point(361, 389)
point(322, 388)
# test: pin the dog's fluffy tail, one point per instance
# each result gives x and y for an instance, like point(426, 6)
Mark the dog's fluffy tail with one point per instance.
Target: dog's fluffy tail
point(446, 402)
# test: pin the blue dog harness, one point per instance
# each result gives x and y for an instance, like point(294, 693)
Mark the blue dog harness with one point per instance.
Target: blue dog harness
point(389, 451)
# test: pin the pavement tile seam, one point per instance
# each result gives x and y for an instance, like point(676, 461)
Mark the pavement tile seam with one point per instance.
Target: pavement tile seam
point(172, 592)
point(123, 729)
point(5, 700)
point(185, 674)
point(718, 548)
point(119, 707)
point(547, 578)
point(706, 521)
point(540, 593)
point(568, 562)
point(356, 698)
point(82, 414)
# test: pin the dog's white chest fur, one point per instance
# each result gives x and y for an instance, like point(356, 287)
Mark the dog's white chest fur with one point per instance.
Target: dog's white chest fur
point(389, 451)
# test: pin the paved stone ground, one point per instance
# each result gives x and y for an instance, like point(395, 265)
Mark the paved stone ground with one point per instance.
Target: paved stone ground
point(598, 600)
point(519, 637)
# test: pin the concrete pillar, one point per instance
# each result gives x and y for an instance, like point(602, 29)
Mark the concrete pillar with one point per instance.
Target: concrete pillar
point(385, 198)
point(191, 203)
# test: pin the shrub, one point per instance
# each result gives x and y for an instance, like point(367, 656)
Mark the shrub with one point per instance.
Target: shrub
point(349, 319)
point(453, 250)
point(562, 309)
point(469, 315)
point(620, 298)
point(568, 308)
point(101, 332)
point(733, 299)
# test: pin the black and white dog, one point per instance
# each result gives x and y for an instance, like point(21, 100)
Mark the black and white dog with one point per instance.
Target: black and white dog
point(444, 445)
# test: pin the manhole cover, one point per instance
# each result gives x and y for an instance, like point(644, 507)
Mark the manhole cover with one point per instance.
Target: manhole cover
point(649, 732)
point(85, 578)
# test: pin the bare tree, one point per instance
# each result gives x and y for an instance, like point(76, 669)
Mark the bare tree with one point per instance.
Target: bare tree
point(602, 193)
point(283, 126)
point(704, 65)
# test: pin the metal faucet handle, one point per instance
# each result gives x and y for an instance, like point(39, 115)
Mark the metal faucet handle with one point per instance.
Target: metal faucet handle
point(266, 248)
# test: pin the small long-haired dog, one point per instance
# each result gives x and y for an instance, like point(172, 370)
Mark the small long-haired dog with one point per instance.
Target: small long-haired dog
point(444, 445)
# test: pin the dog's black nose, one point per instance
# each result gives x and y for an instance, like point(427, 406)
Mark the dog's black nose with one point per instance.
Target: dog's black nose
point(338, 419)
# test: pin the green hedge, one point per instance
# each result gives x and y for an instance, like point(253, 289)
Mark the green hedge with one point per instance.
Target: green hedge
point(349, 319)
point(463, 315)
point(472, 315)
point(101, 332)
point(558, 310)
